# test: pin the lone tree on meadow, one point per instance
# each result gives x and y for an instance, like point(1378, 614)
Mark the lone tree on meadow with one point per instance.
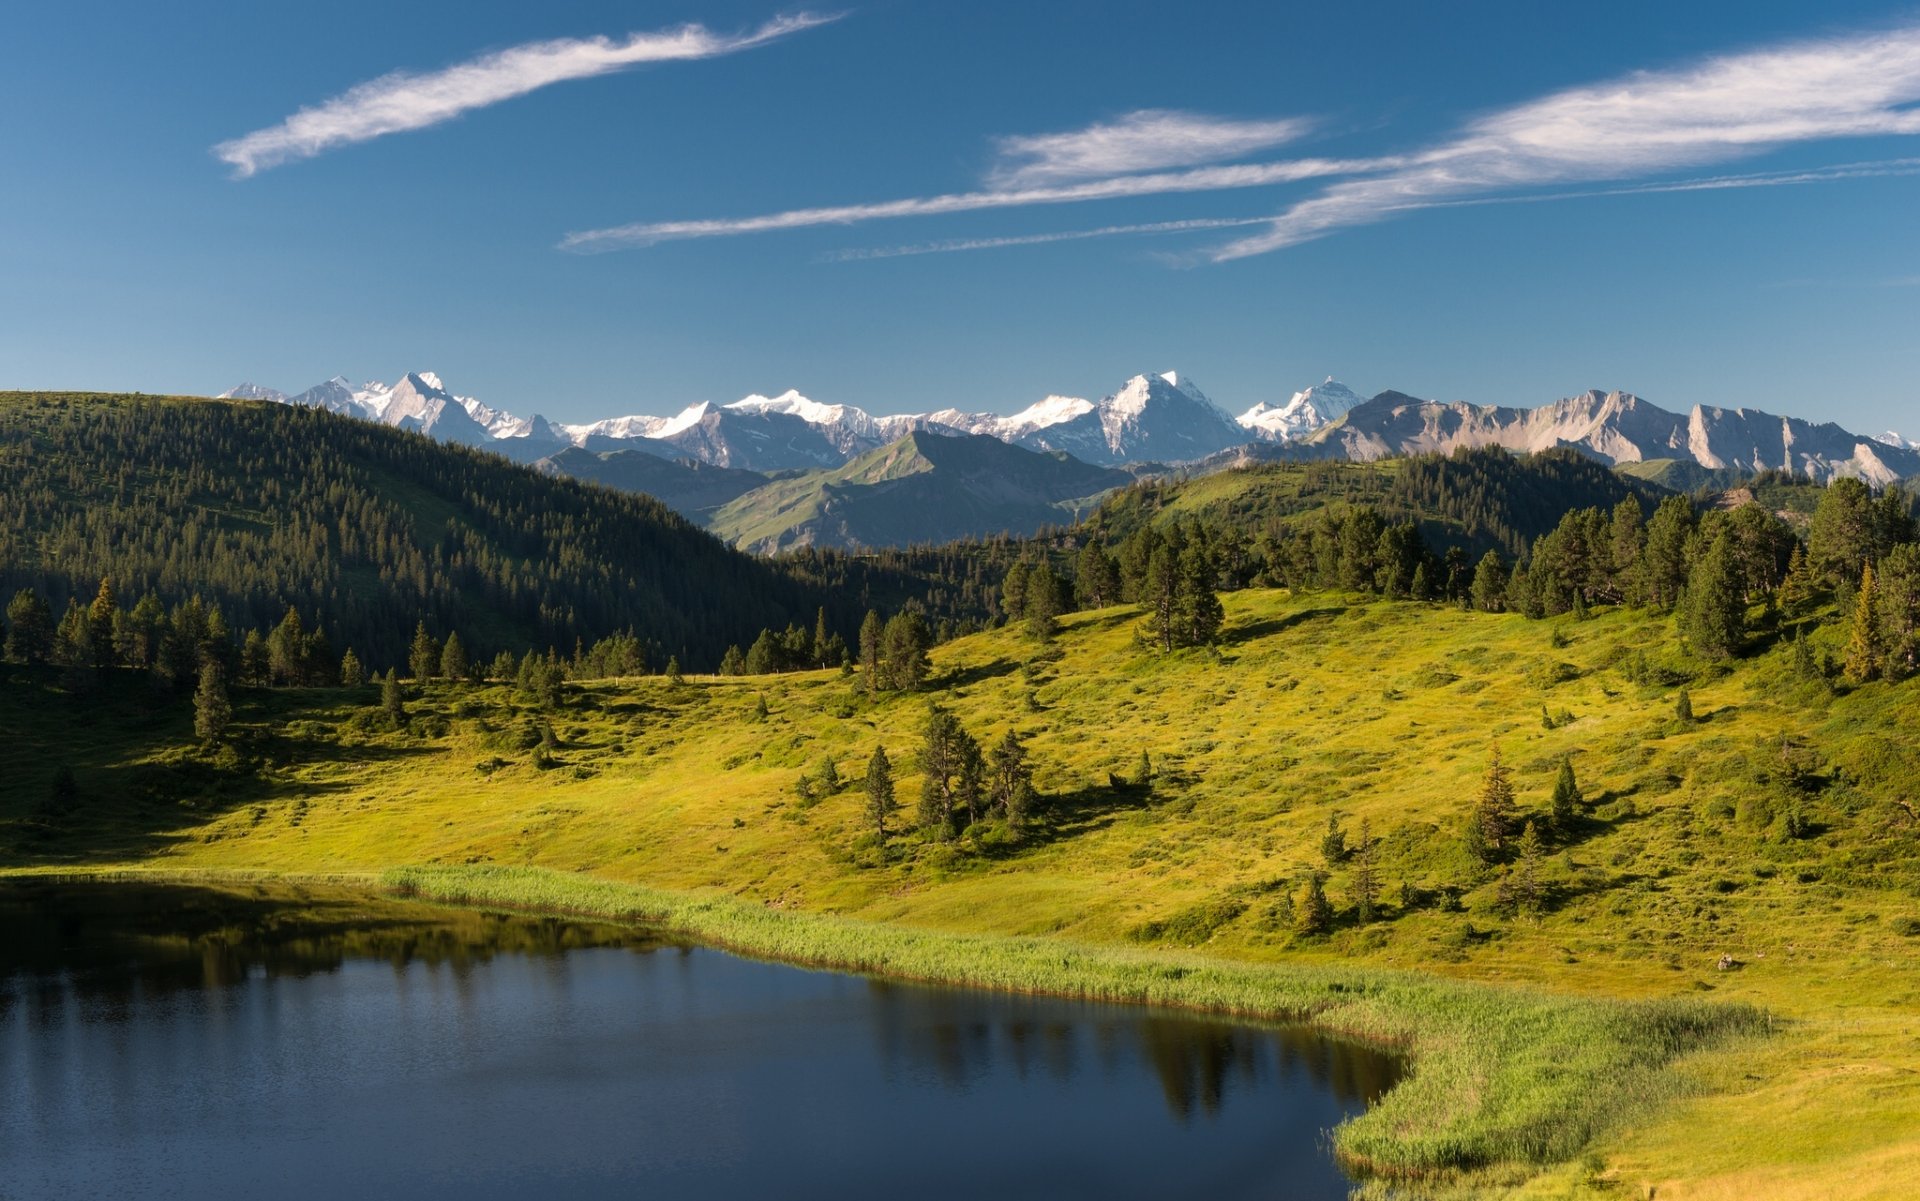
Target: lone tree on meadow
point(1010, 780)
point(212, 711)
point(393, 702)
point(1491, 822)
point(1566, 799)
point(880, 802)
point(453, 659)
point(1313, 913)
point(1366, 877)
point(951, 772)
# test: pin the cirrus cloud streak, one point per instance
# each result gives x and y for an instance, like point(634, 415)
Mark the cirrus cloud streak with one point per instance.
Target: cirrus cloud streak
point(403, 101)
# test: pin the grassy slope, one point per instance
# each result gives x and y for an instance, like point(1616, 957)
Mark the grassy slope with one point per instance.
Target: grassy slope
point(1376, 711)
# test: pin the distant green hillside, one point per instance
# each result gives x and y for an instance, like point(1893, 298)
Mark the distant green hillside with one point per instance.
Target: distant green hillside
point(366, 529)
point(687, 486)
point(924, 488)
point(1481, 499)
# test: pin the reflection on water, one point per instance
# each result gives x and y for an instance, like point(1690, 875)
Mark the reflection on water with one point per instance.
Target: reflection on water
point(166, 1039)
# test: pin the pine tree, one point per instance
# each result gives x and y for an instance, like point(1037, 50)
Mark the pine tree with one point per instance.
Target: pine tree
point(733, 663)
point(29, 628)
point(73, 647)
point(286, 649)
point(1095, 578)
point(1863, 639)
point(1143, 771)
point(100, 620)
point(424, 657)
point(1198, 613)
point(760, 711)
point(1010, 779)
point(1421, 588)
point(904, 644)
point(1366, 879)
point(763, 657)
point(948, 757)
point(1333, 844)
point(880, 802)
point(1714, 613)
point(1566, 799)
point(1492, 822)
point(393, 701)
point(1160, 594)
point(453, 658)
point(1801, 584)
point(1013, 591)
point(1683, 708)
point(1312, 913)
point(1529, 890)
point(673, 671)
point(823, 638)
point(352, 674)
point(1897, 601)
point(1490, 583)
point(871, 632)
point(212, 711)
point(1045, 603)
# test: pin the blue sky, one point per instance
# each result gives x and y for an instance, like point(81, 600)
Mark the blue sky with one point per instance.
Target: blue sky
point(171, 221)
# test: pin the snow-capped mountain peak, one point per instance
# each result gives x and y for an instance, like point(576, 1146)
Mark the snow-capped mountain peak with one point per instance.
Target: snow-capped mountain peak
point(1305, 411)
point(1893, 439)
point(252, 392)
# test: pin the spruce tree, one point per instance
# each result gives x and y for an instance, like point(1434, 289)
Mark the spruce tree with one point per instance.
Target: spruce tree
point(29, 628)
point(1143, 771)
point(453, 658)
point(1312, 913)
point(212, 711)
point(733, 663)
point(1492, 820)
point(880, 802)
point(73, 647)
point(1714, 614)
point(1160, 594)
point(1366, 878)
point(763, 657)
point(870, 634)
point(1863, 638)
point(1333, 844)
point(823, 638)
point(424, 657)
point(1529, 889)
point(1198, 613)
point(1683, 708)
point(100, 622)
point(1013, 591)
point(393, 701)
point(673, 671)
point(1095, 577)
point(1490, 583)
point(352, 674)
point(1897, 602)
point(1010, 779)
point(286, 649)
point(1565, 806)
point(1045, 603)
point(904, 644)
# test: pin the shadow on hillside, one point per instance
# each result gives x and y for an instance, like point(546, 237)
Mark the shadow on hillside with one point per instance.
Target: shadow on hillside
point(977, 674)
point(115, 774)
point(1234, 635)
point(1073, 813)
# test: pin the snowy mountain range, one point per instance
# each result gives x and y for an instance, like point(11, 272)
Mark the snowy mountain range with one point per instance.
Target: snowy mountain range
point(1159, 418)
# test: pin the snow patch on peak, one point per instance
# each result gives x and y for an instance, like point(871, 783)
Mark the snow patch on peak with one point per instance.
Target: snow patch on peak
point(251, 391)
point(686, 419)
point(1895, 440)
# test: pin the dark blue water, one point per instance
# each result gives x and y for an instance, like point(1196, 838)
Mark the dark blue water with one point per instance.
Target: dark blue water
point(190, 1042)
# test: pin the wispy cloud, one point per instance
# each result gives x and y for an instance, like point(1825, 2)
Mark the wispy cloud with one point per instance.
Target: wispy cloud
point(1724, 108)
point(952, 245)
point(1201, 179)
point(1147, 140)
point(1877, 169)
point(403, 101)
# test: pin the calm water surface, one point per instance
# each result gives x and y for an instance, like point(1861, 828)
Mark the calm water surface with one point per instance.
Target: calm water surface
point(206, 1043)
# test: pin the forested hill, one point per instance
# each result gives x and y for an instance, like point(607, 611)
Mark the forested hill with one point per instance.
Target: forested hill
point(1479, 499)
point(364, 529)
